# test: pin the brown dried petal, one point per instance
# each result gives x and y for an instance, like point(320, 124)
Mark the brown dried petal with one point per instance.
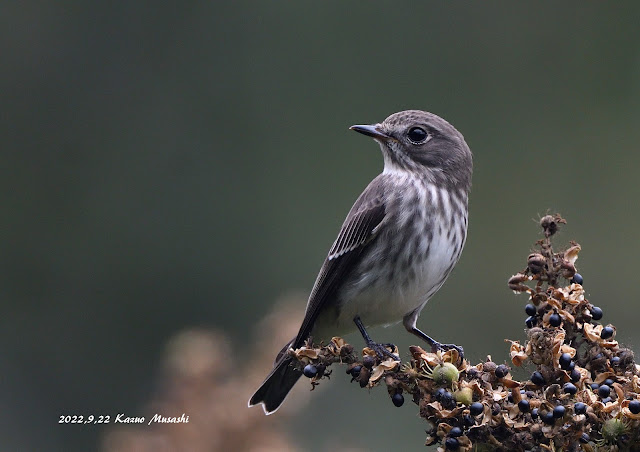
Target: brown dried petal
point(574, 294)
point(572, 253)
point(566, 316)
point(380, 369)
point(453, 356)
point(558, 341)
point(515, 283)
point(441, 413)
point(554, 303)
point(592, 332)
point(304, 352)
point(565, 348)
point(609, 407)
point(517, 353)
point(499, 395)
point(619, 392)
point(474, 385)
point(603, 376)
point(509, 383)
point(369, 352)
point(417, 352)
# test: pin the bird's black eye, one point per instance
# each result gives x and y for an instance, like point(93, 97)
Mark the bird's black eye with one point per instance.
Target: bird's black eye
point(417, 135)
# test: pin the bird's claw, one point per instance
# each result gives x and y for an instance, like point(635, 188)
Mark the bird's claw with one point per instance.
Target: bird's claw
point(382, 350)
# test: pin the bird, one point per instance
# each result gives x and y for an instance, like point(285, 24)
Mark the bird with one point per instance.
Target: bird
point(397, 246)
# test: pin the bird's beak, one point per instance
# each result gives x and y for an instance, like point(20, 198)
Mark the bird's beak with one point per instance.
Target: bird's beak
point(371, 131)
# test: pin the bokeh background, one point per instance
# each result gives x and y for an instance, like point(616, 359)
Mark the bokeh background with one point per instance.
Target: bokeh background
point(172, 172)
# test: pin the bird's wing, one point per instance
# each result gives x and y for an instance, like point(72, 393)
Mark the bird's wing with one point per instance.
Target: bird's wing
point(359, 228)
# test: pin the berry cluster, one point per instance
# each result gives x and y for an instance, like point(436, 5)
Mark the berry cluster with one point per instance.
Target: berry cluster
point(582, 394)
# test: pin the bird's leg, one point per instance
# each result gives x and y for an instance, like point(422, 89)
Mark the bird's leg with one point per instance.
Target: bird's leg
point(380, 349)
point(435, 345)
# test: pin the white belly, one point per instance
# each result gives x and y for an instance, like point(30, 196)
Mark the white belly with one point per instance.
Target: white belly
point(379, 302)
point(387, 285)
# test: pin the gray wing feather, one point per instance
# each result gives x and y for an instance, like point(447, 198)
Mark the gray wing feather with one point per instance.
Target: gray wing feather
point(358, 230)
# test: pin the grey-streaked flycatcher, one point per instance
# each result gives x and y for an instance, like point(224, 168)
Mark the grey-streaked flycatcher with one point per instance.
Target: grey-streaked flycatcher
point(397, 246)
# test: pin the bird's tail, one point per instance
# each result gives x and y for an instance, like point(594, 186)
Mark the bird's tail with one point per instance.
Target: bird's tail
point(278, 383)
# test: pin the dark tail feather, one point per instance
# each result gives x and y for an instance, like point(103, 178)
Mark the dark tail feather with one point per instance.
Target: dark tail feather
point(277, 385)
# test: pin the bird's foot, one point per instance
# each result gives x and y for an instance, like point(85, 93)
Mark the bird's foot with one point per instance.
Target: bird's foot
point(444, 347)
point(382, 350)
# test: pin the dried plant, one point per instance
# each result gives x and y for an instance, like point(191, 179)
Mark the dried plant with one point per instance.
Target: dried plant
point(583, 394)
point(202, 378)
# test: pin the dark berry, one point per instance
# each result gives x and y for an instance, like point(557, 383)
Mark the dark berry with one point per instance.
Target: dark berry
point(439, 393)
point(584, 438)
point(596, 313)
point(606, 400)
point(355, 371)
point(608, 382)
point(472, 372)
point(575, 375)
point(580, 408)
point(510, 397)
point(530, 322)
point(476, 408)
point(397, 399)
point(448, 401)
point(594, 386)
point(615, 361)
point(606, 333)
point(634, 406)
point(368, 361)
point(310, 371)
point(604, 391)
point(501, 371)
point(565, 361)
point(548, 418)
point(530, 309)
point(534, 413)
point(572, 366)
point(524, 406)
point(537, 378)
point(451, 443)
point(455, 432)
point(570, 388)
point(559, 411)
point(468, 420)
point(577, 279)
point(555, 319)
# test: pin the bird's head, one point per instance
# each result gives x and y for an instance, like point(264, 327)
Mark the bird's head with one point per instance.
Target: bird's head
point(424, 144)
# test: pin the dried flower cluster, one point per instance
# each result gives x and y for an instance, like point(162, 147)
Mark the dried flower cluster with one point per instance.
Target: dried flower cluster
point(584, 393)
point(206, 379)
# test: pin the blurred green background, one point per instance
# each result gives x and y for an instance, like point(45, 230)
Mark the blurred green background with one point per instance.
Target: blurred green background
point(187, 164)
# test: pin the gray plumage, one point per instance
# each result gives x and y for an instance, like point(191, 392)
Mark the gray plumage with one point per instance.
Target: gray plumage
point(398, 244)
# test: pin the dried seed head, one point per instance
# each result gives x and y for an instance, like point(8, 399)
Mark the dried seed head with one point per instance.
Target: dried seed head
point(536, 263)
point(549, 224)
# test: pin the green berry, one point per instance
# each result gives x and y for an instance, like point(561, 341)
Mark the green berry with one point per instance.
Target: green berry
point(445, 373)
